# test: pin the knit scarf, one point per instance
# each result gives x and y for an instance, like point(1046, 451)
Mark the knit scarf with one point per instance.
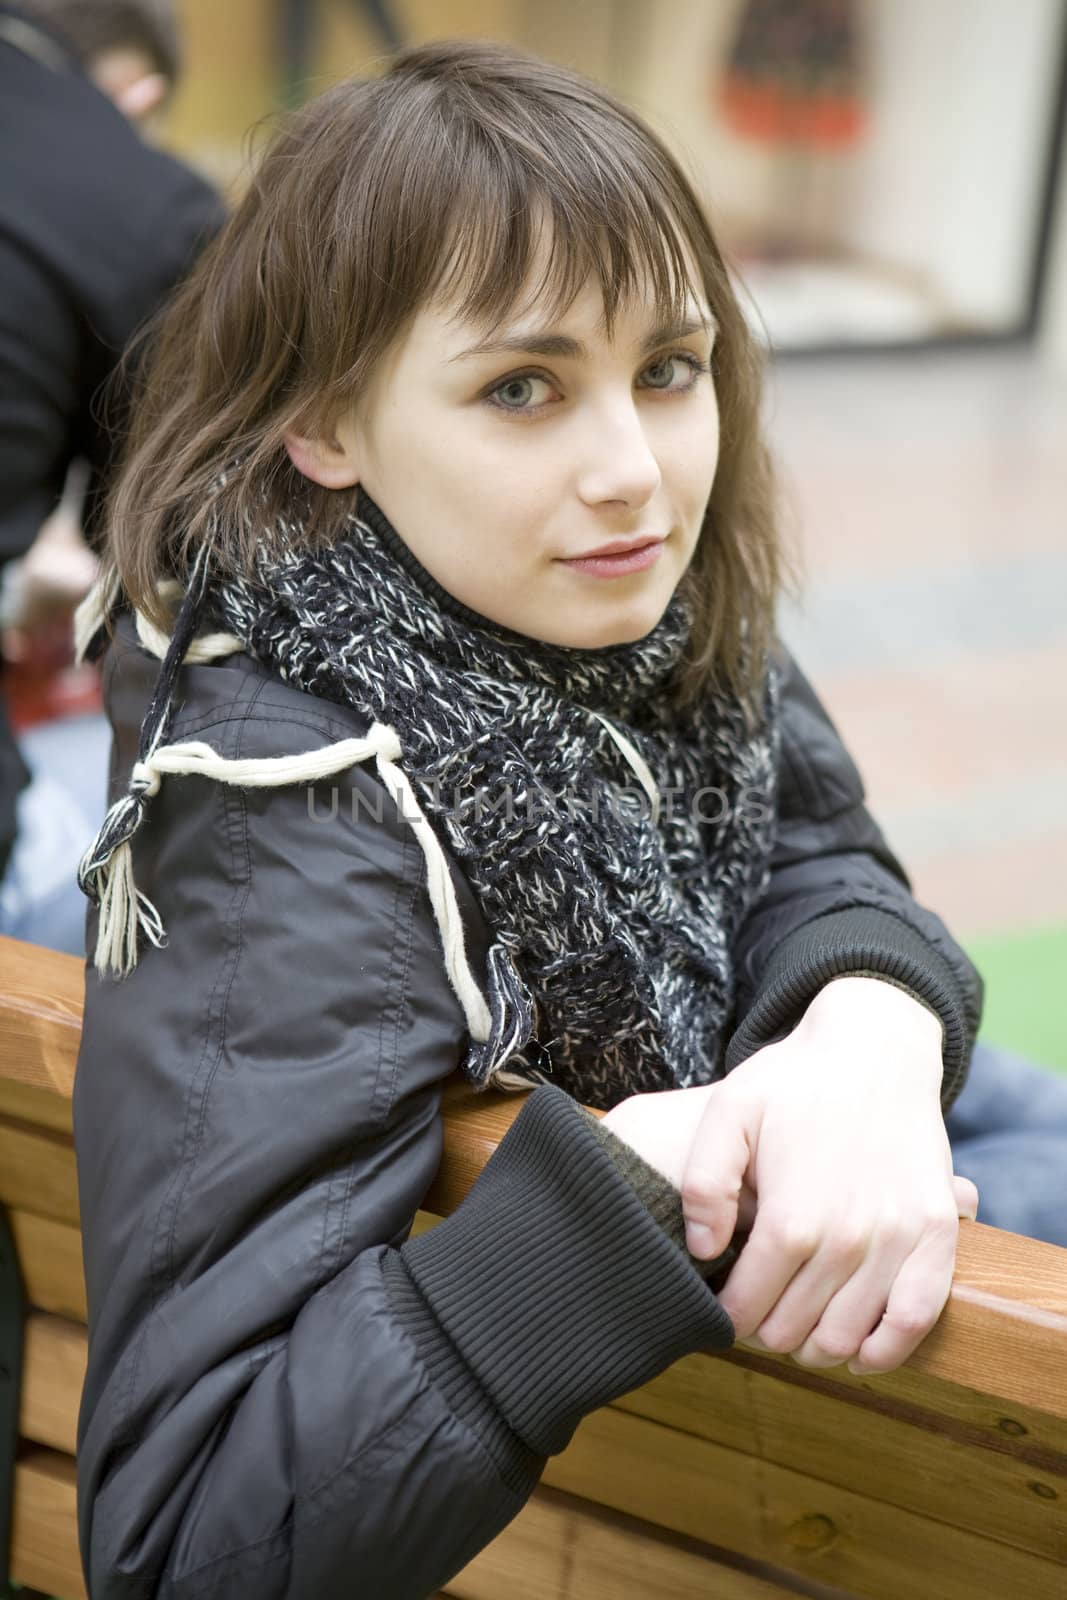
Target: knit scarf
point(613, 841)
point(611, 925)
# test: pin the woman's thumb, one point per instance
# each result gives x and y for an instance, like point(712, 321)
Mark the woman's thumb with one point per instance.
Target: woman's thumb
point(713, 1177)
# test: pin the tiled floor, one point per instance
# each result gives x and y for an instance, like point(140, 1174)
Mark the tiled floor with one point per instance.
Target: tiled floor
point(928, 496)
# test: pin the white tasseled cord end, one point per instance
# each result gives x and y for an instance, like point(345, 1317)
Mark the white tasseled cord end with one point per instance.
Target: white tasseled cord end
point(123, 909)
point(513, 1082)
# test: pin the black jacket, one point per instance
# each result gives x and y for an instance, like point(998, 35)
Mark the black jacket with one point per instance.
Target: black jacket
point(95, 228)
point(285, 1398)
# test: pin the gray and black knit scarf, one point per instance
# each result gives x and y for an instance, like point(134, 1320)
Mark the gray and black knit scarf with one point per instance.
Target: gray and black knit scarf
point(614, 843)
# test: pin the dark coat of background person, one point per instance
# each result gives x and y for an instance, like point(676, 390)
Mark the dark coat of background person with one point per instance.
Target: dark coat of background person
point(96, 227)
point(286, 1395)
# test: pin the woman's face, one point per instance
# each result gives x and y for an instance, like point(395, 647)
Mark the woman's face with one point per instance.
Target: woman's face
point(506, 462)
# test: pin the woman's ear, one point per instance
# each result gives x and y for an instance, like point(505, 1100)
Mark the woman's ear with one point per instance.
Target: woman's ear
point(324, 461)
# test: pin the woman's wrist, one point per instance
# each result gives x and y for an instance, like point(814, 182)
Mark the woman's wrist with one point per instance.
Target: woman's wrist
point(856, 1002)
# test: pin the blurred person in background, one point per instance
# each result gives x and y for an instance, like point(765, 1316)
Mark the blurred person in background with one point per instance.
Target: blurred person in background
point(96, 226)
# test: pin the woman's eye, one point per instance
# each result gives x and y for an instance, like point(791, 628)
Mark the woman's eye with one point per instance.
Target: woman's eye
point(514, 394)
point(664, 370)
point(527, 392)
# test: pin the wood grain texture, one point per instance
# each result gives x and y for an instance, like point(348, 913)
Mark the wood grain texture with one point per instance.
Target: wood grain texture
point(559, 1548)
point(50, 1256)
point(54, 1360)
point(41, 997)
point(832, 1534)
point(37, 1171)
point(44, 1551)
point(915, 1460)
point(45, 1108)
point(474, 1126)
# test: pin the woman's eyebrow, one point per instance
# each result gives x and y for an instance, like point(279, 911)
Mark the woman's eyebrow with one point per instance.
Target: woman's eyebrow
point(542, 342)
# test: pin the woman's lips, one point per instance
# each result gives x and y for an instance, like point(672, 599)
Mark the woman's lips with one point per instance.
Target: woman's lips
point(618, 566)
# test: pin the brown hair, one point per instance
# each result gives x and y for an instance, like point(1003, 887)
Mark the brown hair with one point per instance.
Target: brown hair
point(89, 27)
point(375, 199)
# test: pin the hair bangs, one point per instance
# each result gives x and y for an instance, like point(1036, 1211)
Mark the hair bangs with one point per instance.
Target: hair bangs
point(520, 233)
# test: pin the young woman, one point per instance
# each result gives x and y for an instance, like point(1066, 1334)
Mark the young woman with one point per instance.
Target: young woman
point(451, 732)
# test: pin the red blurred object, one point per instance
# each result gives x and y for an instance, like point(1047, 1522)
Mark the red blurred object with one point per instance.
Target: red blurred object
point(773, 115)
point(795, 74)
point(43, 683)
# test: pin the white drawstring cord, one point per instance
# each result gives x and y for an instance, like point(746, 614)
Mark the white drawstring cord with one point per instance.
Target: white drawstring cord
point(198, 759)
point(90, 615)
point(124, 909)
point(637, 764)
point(207, 647)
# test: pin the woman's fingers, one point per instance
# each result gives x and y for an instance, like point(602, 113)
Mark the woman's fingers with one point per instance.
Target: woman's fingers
point(713, 1182)
point(843, 1294)
point(916, 1300)
point(773, 1254)
point(966, 1197)
point(830, 1306)
point(857, 1308)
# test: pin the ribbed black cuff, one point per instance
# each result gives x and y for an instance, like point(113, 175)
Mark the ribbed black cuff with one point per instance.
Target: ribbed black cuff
point(840, 945)
point(662, 1201)
point(554, 1285)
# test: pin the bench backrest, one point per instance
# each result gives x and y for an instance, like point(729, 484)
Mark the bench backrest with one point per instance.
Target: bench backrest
point(741, 1476)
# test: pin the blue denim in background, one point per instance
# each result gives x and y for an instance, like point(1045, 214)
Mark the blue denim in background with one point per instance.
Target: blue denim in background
point(59, 813)
point(1008, 1132)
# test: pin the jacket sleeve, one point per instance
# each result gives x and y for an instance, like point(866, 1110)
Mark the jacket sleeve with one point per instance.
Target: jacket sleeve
point(40, 354)
point(286, 1394)
point(839, 902)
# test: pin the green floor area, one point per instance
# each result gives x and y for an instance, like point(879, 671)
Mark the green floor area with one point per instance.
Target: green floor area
point(1026, 992)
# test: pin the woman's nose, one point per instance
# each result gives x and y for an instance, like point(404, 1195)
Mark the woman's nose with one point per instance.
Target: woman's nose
point(620, 465)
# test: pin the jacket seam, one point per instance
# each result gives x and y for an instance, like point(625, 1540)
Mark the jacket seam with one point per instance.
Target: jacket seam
point(161, 1252)
point(159, 1279)
point(225, 716)
point(233, 800)
point(395, 984)
point(407, 893)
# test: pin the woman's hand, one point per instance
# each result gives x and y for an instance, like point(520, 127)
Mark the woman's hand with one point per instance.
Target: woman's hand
point(834, 1137)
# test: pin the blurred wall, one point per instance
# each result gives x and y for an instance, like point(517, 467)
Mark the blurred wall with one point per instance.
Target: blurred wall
point(1054, 323)
point(234, 75)
point(951, 176)
point(943, 189)
point(946, 183)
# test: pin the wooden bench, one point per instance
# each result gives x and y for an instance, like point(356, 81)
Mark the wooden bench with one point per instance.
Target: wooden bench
point(738, 1477)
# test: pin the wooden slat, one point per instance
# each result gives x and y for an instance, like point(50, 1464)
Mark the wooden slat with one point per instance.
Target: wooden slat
point(37, 1171)
point(44, 1552)
point(831, 1435)
point(43, 1107)
point(53, 1372)
point(474, 1126)
point(1004, 1329)
point(50, 1258)
point(823, 1531)
point(41, 997)
point(560, 1549)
